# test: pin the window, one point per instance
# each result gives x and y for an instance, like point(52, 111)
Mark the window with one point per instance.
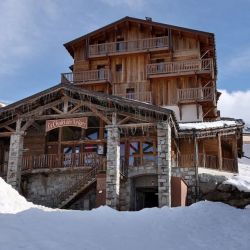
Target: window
point(53, 135)
point(120, 45)
point(160, 65)
point(118, 68)
point(130, 93)
point(101, 72)
point(142, 152)
point(71, 133)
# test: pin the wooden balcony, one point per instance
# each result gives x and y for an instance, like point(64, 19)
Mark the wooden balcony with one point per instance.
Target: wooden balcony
point(205, 161)
point(206, 94)
point(86, 77)
point(55, 161)
point(199, 66)
point(124, 47)
point(139, 96)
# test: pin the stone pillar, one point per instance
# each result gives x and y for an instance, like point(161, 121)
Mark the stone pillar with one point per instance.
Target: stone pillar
point(15, 158)
point(164, 163)
point(113, 167)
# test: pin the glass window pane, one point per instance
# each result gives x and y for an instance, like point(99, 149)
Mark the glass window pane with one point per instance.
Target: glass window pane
point(148, 147)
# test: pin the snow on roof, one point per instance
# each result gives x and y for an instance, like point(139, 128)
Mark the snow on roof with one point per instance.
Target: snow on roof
point(2, 105)
point(207, 125)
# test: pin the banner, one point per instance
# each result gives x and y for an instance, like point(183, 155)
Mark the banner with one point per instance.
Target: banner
point(70, 122)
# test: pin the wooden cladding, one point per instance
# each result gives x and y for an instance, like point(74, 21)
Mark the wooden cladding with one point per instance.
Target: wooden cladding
point(139, 96)
point(179, 67)
point(133, 46)
point(196, 94)
point(101, 75)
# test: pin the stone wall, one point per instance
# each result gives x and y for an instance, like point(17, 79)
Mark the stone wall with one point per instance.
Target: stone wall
point(212, 188)
point(164, 163)
point(44, 188)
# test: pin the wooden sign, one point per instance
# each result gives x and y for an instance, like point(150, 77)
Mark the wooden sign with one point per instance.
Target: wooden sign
point(71, 122)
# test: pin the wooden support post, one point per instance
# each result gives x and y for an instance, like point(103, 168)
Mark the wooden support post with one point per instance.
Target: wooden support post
point(235, 152)
point(196, 165)
point(220, 160)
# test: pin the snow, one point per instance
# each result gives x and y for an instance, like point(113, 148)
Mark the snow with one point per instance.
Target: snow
point(204, 225)
point(207, 125)
point(2, 105)
point(242, 180)
point(11, 202)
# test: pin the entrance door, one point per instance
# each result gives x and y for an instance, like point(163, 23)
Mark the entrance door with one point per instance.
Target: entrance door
point(146, 198)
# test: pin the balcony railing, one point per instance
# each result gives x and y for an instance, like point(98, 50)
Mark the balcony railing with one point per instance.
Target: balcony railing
point(128, 46)
point(205, 161)
point(180, 67)
point(196, 94)
point(101, 75)
point(139, 96)
point(51, 161)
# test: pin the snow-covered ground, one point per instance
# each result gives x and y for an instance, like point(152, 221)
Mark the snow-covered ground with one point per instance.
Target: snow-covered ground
point(204, 225)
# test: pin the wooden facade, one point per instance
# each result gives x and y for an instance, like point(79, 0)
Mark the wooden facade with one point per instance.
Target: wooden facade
point(132, 74)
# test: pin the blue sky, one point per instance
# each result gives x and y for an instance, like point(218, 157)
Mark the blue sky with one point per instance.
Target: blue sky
point(33, 32)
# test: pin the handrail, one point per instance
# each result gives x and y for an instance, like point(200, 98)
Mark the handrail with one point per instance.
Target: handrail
point(180, 66)
point(140, 96)
point(50, 161)
point(128, 46)
point(90, 176)
point(86, 76)
point(205, 161)
point(199, 94)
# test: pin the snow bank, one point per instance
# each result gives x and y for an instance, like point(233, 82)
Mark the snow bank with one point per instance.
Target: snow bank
point(207, 125)
point(204, 225)
point(11, 201)
point(242, 180)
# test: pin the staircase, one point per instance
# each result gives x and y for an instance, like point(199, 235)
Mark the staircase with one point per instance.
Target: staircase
point(68, 195)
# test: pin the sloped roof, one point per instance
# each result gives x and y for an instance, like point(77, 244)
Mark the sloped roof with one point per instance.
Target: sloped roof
point(44, 97)
point(134, 20)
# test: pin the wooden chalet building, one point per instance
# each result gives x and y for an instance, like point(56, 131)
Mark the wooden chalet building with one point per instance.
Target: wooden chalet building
point(129, 126)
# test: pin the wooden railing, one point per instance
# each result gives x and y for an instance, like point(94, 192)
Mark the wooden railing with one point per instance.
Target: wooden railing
point(86, 76)
point(230, 164)
point(140, 96)
point(50, 161)
point(205, 161)
point(128, 46)
point(196, 94)
point(198, 66)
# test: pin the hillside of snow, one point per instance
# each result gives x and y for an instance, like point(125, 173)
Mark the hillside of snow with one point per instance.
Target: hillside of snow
point(204, 225)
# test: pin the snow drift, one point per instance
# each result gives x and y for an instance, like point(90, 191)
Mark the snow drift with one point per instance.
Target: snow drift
point(204, 225)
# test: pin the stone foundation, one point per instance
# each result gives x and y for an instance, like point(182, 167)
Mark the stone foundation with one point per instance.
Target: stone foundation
point(43, 189)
